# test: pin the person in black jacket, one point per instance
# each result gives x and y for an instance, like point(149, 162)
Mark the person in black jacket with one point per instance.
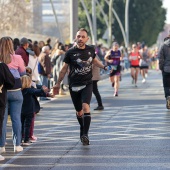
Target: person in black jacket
point(28, 106)
point(7, 82)
point(36, 103)
point(164, 66)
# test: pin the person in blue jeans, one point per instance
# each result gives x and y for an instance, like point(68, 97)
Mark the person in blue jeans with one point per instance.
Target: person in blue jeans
point(7, 82)
point(14, 96)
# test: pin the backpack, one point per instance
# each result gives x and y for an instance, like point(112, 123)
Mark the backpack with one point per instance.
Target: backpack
point(40, 68)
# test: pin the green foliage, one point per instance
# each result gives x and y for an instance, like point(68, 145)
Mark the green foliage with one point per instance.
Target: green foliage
point(146, 19)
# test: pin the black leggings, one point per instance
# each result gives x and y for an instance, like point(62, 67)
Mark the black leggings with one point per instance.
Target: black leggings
point(166, 83)
point(82, 96)
point(26, 120)
point(96, 93)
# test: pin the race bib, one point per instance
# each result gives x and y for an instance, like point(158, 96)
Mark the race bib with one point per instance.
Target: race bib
point(78, 88)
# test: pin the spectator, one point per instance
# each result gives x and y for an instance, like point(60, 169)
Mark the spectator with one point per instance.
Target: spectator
point(95, 79)
point(33, 63)
point(41, 44)
point(22, 50)
point(14, 96)
point(48, 41)
point(7, 82)
point(57, 56)
point(46, 66)
point(16, 43)
point(28, 106)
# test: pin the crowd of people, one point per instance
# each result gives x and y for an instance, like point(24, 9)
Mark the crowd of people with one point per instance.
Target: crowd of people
point(26, 69)
point(36, 67)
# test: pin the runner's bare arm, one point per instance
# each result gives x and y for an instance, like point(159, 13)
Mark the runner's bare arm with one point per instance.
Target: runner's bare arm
point(98, 63)
point(106, 57)
point(62, 73)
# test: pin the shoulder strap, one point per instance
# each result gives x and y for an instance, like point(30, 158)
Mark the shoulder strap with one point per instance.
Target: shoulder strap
point(35, 64)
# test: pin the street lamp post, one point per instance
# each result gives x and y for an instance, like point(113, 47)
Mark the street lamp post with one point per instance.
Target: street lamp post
point(127, 22)
point(89, 20)
point(73, 19)
point(56, 20)
point(120, 23)
point(110, 23)
point(94, 20)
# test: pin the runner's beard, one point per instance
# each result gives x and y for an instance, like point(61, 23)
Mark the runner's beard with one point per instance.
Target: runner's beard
point(80, 44)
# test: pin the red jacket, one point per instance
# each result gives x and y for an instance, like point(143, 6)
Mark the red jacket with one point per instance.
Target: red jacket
point(24, 54)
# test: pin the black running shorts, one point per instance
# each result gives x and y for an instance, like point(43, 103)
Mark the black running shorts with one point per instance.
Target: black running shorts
point(82, 96)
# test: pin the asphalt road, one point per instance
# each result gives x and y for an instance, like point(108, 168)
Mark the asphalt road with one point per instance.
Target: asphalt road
point(131, 133)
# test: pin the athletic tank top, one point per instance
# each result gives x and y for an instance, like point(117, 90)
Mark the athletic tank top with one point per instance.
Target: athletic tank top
point(115, 56)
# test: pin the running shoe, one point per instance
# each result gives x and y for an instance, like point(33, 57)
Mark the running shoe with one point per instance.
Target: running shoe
point(99, 108)
point(144, 80)
point(85, 140)
point(168, 102)
point(115, 94)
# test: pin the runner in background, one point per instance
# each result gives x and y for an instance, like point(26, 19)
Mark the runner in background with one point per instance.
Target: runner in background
point(113, 57)
point(134, 58)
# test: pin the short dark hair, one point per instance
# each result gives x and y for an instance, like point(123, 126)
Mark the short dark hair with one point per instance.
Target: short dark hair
point(83, 29)
point(48, 40)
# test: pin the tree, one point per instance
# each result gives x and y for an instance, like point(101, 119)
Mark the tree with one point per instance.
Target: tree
point(101, 26)
point(15, 16)
point(146, 21)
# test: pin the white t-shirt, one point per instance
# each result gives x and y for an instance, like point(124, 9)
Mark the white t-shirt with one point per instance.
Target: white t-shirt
point(33, 64)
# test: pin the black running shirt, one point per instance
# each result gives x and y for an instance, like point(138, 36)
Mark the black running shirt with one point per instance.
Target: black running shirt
point(80, 63)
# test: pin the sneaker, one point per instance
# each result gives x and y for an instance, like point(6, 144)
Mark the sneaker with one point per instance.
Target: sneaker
point(168, 102)
point(1, 158)
point(26, 143)
point(2, 150)
point(115, 94)
point(18, 148)
point(99, 108)
point(144, 80)
point(33, 139)
point(85, 140)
